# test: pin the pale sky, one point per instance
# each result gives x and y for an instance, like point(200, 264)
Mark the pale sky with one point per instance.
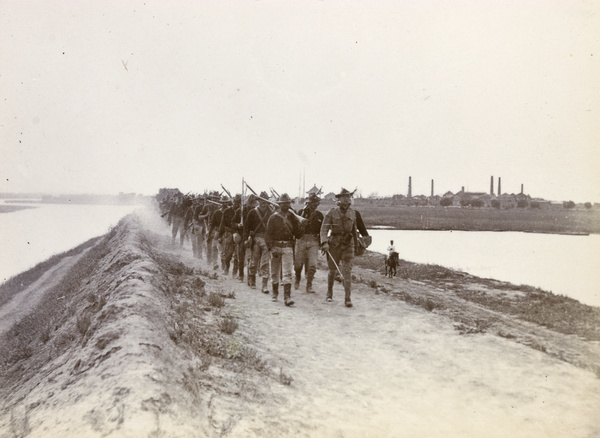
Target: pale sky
point(130, 96)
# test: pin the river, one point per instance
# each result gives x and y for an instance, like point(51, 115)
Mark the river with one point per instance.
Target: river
point(32, 235)
point(562, 264)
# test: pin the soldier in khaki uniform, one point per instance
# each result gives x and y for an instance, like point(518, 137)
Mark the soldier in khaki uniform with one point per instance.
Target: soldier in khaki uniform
point(307, 246)
point(226, 230)
point(338, 234)
point(282, 229)
point(254, 229)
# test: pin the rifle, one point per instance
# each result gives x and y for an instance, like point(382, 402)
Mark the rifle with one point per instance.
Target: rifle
point(296, 215)
point(246, 184)
point(227, 191)
point(256, 194)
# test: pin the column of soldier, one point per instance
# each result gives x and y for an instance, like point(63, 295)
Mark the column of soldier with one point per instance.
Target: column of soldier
point(267, 237)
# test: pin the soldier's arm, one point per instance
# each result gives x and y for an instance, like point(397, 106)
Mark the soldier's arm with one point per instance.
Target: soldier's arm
point(325, 227)
point(269, 232)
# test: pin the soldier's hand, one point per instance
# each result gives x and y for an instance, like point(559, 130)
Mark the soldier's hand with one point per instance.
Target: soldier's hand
point(325, 247)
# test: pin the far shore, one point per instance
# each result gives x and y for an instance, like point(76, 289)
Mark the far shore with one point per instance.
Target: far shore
point(12, 208)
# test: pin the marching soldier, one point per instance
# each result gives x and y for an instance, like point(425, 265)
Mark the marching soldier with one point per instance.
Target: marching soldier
point(177, 217)
point(282, 230)
point(241, 219)
point(226, 230)
point(215, 224)
point(338, 234)
point(207, 212)
point(254, 233)
point(307, 246)
point(196, 221)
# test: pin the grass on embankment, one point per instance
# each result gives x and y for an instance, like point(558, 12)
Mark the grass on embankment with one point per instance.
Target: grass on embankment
point(22, 281)
point(556, 312)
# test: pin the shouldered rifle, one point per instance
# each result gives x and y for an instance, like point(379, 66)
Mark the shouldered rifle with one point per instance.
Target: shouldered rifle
point(296, 215)
point(227, 191)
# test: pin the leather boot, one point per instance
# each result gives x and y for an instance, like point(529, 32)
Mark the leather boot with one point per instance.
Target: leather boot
point(347, 289)
point(287, 294)
point(275, 293)
point(309, 281)
point(330, 280)
point(252, 281)
point(265, 286)
point(297, 281)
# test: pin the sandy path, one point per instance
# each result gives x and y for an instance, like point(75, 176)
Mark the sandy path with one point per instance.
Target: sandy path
point(384, 368)
point(23, 302)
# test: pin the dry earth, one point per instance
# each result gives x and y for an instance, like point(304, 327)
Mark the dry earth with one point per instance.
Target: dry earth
point(128, 341)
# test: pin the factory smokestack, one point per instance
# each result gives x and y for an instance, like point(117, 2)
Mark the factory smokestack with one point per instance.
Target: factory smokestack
point(432, 188)
point(492, 185)
point(499, 186)
point(521, 188)
point(410, 186)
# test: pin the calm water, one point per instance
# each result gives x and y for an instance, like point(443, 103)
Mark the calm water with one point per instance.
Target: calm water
point(33, 235)
point(566, 265)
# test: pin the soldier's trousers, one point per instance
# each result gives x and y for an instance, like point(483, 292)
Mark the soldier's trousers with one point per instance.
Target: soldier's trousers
point(241, 258)
point(260, 258)
point(307, 252)
point(178, 227)
point(214, 246)
point(343, 256)
point(282, 262)
point(226, 249)
point(197, 241)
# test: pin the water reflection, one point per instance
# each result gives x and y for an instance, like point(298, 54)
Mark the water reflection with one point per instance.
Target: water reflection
point(567, 265)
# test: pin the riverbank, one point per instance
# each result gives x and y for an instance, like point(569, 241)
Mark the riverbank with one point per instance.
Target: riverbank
point(137, 338)
point(12, 208)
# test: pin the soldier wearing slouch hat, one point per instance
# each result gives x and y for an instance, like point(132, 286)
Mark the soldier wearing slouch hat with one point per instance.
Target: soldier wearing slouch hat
point(338, 236)
point(307, 246)
point(255, 228)
point(282, 230)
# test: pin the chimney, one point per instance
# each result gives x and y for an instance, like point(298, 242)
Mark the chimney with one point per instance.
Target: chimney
point(492, 185)
point(462, 189)
point(410, 186)
point(432, 188)
point(521, 188)
point(499, 186)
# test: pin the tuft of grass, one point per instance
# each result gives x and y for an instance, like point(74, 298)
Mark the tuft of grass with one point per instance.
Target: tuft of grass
point(45, 333)
point(285, 379)
point(228, 325)
point(216, 300)
point(83, 323)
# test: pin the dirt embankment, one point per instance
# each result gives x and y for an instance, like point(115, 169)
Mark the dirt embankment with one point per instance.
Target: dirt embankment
point(140, 339)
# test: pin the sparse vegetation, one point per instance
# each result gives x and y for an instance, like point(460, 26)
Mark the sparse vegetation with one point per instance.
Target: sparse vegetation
point(228, 324)
point(216, 300)
point(285, 379)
